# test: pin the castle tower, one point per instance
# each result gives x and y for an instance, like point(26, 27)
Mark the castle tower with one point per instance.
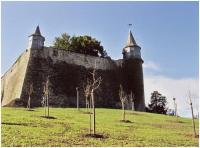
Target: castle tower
point(36, 40)
point(133, 72)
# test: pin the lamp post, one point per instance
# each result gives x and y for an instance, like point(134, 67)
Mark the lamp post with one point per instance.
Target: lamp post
point(175, 111)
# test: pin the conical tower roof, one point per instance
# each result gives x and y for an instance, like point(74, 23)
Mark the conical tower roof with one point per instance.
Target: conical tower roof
point(37, 31)
point(131, 41)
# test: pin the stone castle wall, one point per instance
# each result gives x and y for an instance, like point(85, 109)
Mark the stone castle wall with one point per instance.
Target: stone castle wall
point(12, 81)
point(75, 58)
point(67, 71)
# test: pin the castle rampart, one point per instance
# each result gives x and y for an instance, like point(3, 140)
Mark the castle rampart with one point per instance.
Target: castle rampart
point(12, 81)
point(58, 55)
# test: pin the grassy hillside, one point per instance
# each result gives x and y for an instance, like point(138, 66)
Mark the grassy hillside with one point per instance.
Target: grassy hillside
point(28, 128)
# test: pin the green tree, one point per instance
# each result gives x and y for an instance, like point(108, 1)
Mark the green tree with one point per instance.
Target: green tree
point(80, 44)
point(62, 42)
point(158, 103)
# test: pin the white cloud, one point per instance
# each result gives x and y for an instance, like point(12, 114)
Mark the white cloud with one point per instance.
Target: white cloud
point(174, 88)
point(151, 65)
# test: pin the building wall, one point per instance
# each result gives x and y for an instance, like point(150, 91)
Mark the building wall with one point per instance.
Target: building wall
point(133, 81)
point(74, 58)
point(67, 71)
point(12, 81)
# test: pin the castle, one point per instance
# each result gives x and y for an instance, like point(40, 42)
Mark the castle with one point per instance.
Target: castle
point(68, 70)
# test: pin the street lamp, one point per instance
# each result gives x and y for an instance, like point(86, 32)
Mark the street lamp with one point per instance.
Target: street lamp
point(175, 111)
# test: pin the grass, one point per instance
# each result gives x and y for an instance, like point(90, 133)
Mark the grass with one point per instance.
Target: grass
point(69, 127)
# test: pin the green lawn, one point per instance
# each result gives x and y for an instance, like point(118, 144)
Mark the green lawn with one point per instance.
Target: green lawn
point(28, 128)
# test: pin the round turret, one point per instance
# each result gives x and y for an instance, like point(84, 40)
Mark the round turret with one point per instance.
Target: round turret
point(133, 72)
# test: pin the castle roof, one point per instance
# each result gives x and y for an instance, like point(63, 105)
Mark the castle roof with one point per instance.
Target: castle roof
point(37, 31)
point(131, 41)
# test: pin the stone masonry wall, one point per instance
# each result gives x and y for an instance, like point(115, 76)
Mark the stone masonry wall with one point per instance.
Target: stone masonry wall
point(67, 71)
point(75, 58)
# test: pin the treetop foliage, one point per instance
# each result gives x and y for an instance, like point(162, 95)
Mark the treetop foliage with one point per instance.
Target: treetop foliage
point(80, 44)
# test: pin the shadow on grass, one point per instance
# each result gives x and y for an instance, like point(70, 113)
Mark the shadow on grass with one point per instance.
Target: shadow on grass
point(30, 110)
point(85, 112)
point(126, 121)
point(101, 136)
point(10, 123)
point(175, 121)
point(48, 117)
point(133, 113)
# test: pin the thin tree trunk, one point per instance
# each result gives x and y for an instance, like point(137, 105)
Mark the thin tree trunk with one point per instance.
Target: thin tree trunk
point(77, 95)
point(93, 105)
point(45, 102)
point(90, 107)
point(193, 120)
point(86, 104)
point(48, 105)
point(132, 106)
point(123, 112)
point(28, 104)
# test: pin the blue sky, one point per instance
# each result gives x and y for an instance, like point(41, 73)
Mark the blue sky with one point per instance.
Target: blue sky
point(166, 31)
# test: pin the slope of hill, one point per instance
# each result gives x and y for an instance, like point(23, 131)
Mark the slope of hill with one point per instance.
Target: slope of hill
point(69, 127)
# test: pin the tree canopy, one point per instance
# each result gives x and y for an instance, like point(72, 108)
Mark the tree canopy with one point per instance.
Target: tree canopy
point(80, 44)
point(158, 103)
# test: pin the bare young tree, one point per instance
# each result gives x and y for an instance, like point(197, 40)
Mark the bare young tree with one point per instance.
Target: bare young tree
point(29, 97)
point(123, 98)
point(77, 98)
point(45, 99)
point(90, 87)
point(95, 83)
point(191, 106)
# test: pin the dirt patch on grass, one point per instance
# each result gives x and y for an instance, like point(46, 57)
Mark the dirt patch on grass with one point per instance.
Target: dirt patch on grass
point(126, 121)
point(192, 136)
point(48, 117)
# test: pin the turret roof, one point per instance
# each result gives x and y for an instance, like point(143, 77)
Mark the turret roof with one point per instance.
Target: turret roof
point(37, 31)
point(131, 41)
